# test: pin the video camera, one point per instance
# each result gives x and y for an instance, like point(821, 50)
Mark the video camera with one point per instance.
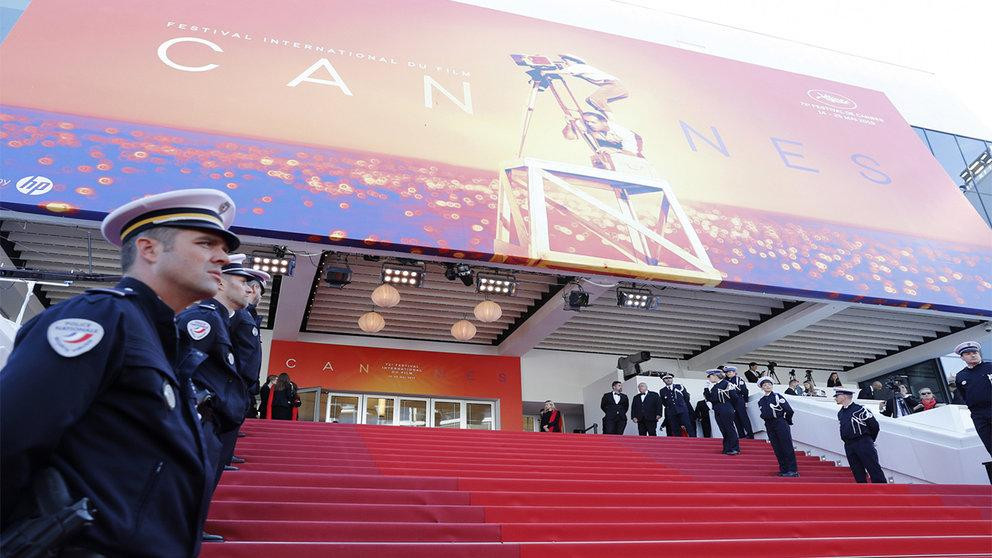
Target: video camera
point(537, 62)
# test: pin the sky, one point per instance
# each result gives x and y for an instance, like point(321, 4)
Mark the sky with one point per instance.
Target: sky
point(949, 38)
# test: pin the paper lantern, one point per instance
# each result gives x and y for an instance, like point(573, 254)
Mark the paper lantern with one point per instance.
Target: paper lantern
point(488, 311)
point(385, 296)
point(463, 330)
point(371, 322)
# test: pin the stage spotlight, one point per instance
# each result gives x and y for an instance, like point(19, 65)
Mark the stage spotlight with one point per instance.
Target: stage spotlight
point(279, 261)
point(495, 283)
point(576, 300)
point(337, 276)
point(633, 297)
point(404, 274)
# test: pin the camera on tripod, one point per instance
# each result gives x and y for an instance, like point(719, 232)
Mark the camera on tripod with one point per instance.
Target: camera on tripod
point(537, 61)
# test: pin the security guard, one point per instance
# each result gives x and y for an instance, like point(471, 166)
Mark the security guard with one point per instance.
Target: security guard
point(722, 394)
point(741, 420)
point(247, 338)
point(777, 414)
point(974, 384)
point(96, 390)
point(223, 393)
point(859, 429)
point(678, 407)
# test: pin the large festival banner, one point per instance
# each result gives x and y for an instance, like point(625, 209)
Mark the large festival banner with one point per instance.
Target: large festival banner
point(403, 372)
point(433, 127)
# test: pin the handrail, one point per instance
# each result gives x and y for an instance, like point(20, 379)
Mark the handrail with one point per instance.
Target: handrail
point(594, 428)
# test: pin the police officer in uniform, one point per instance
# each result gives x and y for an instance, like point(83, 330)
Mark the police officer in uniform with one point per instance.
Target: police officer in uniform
point(777, 414)
point(245, 330)
point(859, 429)
point(205, 327)
point(974, 385)
point(741, 420)
point(678, 406)
point(95, 388)
point(722, 394)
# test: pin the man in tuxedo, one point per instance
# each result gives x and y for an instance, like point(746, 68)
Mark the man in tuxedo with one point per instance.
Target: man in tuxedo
point(794, 388)
point(871, 391)
point(752, 373)
point(646, 411)
point(614, 406)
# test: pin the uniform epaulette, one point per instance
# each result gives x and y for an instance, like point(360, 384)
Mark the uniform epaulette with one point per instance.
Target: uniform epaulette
point(116, 292)
point(207, 306)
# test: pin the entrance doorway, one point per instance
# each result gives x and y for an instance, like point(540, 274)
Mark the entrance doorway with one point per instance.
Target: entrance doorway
point(401, 410)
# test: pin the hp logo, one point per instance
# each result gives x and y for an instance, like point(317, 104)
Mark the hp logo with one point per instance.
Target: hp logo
point(34, 185)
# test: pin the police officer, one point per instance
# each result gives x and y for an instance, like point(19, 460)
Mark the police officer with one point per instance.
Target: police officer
point(741, 420)
point(722, 394)
point(777, 414)
point(223, 392)
point(246, 337)
point(858, 429)
point(974, 385)
point(678, 407)
point(116, 417)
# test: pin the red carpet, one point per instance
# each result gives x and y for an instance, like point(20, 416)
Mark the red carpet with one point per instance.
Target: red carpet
point(311, 489)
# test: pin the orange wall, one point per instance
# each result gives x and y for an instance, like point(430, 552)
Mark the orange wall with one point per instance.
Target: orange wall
point(376, 370)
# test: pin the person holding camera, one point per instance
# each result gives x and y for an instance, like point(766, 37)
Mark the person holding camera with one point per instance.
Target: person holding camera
point(974, 384)
point(900, 404)
point(777, 414)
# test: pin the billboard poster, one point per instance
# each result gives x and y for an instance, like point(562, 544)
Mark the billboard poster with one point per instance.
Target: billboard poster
point(453, 130)
point(404, 372)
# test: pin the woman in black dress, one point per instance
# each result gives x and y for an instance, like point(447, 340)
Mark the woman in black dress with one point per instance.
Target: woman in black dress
point(282, 399)
point(834, 380)
point(550, 418)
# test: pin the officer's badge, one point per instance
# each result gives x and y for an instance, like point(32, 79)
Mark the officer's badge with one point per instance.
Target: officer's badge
point(230, 358)
point(169, 394)
point(198, 329)
point(254, 332)
point(73, 337)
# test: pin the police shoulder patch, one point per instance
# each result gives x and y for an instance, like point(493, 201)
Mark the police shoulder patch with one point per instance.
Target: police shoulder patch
point(198, 329)
point(115, 292)
point(74, 336)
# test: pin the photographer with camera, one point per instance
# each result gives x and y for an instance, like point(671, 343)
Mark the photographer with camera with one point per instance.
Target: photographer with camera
point(901, 403)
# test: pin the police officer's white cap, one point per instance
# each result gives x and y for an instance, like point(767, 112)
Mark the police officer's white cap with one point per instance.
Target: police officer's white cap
point(197, 208)
point(236, 266)
point(256, 274)
point(730, 369)
point(843, 391)
point(714, 372)
point(667, 375)
point(968, 346)
point(764, 379)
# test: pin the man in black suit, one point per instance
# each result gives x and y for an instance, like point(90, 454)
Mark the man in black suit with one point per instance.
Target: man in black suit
point(646, 411)
point(794, 388)
point(752, 373)
point(614, 406)
point(871, 391)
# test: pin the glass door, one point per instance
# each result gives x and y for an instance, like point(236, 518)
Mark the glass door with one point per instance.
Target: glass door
point(413, 412)
point(379, 409)
point(343, 408)
point(479, 416)
point(448, 414)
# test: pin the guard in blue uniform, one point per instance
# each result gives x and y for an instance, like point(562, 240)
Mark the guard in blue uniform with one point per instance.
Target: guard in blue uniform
point(859, 429)
point(722, 394)
point(205, 327)
point(974, 384)
point(96, 393)
point(777, 414)
point(678, 406)
point(741, 420)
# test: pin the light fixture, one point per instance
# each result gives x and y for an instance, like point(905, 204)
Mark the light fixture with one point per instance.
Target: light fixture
point(278, 261)
point(463, 330)
point(404, 274)
point(576, 300)
point(634, 297)
point(458, 271)
point(495, 283)
point(386, 296)
point(488, 311)
point(336, 276)
point(371, 322)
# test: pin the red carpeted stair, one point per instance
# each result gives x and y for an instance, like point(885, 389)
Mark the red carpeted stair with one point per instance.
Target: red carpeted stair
point(313, 489)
